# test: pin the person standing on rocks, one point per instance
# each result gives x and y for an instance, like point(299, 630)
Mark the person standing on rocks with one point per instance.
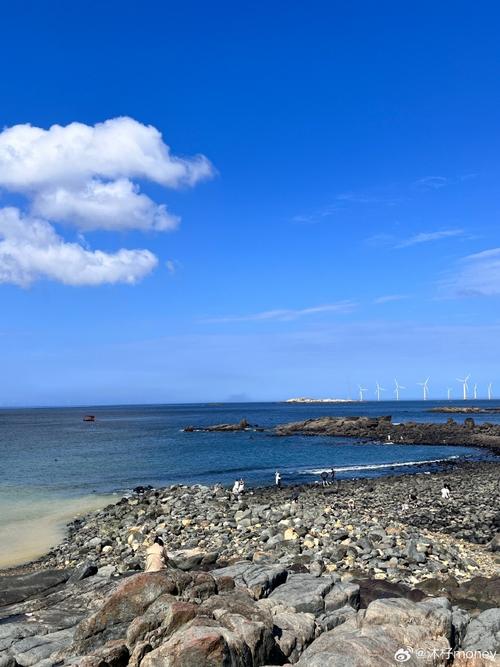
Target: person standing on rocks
point(324, 478)
point(236, 487)
point(155, 556)
point(332, 476)
point(241, 487)
point(277, 478)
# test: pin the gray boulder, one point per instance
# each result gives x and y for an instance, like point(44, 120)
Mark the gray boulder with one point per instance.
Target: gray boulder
point(483, 632)
point(303, 592)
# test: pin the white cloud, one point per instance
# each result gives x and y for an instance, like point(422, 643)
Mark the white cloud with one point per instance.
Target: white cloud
point(32, 158)
point(83, 175)
point(426, 237)
point(88, 177)
point(31, 249)
point(479, 274)
point(286, 314)
point(114, 205)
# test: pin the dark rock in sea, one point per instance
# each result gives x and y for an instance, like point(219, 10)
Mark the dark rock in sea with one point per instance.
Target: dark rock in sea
point(243, 425)
point(383, 429)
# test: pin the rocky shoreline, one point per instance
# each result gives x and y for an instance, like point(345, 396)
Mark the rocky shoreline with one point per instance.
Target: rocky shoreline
point(302, 575)
point(383, 429)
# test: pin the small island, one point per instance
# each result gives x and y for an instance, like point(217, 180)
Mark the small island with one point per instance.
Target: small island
point(464, 410)
point(320, 400)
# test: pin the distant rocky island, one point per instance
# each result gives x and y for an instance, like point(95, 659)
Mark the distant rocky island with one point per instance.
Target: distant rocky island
point(304, 399)
point(465, 410)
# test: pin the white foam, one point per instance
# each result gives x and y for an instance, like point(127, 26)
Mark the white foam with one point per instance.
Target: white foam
point(378, 466)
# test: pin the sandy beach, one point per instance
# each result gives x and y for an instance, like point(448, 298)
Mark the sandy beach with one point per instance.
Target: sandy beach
point(26, 533)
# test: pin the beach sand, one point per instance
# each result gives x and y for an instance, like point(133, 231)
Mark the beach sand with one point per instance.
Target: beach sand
point(26, 533)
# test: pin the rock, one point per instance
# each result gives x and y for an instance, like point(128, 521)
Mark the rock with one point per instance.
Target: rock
point(342, 594)
point(186, 559)
point(483, 632)
point(112, 654)
point(494, 545)
point(202, 642)
point(106, 571)
point(332, 619)
point(370, 590)
point(296, 632)
point(82, 571)
point(16, 588)
point(130, 599)
point(261, 580)
point(380, 634)
point(303, 592)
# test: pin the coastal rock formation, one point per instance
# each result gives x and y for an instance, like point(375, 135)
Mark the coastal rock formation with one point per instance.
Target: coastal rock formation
point(243, 425)
point(410, 433)
point(165, 618)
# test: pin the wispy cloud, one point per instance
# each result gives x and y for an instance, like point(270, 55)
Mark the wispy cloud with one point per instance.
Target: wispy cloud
point(286, 314)
point(438, 182)
point(432, 182)
point(390, 297)
point(173, 266)
point(315, 216)
point(369, 198)
point(477, 275)
point(427, 237)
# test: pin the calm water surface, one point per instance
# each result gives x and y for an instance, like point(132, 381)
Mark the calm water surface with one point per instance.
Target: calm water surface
point(53, 451)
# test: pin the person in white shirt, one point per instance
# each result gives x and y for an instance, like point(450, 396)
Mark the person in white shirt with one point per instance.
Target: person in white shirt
point(277, 478)
point(445, 492)
point(236, 487)
point(241, 487)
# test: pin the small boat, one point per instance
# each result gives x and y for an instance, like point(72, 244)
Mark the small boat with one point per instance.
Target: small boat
point(89, 418)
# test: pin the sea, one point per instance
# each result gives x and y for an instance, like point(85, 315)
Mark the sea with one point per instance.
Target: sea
point(53, 464)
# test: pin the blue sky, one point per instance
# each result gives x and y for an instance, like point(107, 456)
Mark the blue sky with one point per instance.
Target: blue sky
point(341, 228)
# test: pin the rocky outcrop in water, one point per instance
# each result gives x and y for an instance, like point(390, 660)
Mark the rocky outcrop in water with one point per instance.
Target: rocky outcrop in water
point(243, 425)
point(458, 409)
point(411, 433)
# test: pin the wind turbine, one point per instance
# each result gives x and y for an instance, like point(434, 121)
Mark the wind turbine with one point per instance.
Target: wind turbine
point(425, 387)
point(490, 386)
point(449, 393)
point(475, 392)
point(378, 390)
point(465, 386)
point(361, 392)
point(398, 387)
